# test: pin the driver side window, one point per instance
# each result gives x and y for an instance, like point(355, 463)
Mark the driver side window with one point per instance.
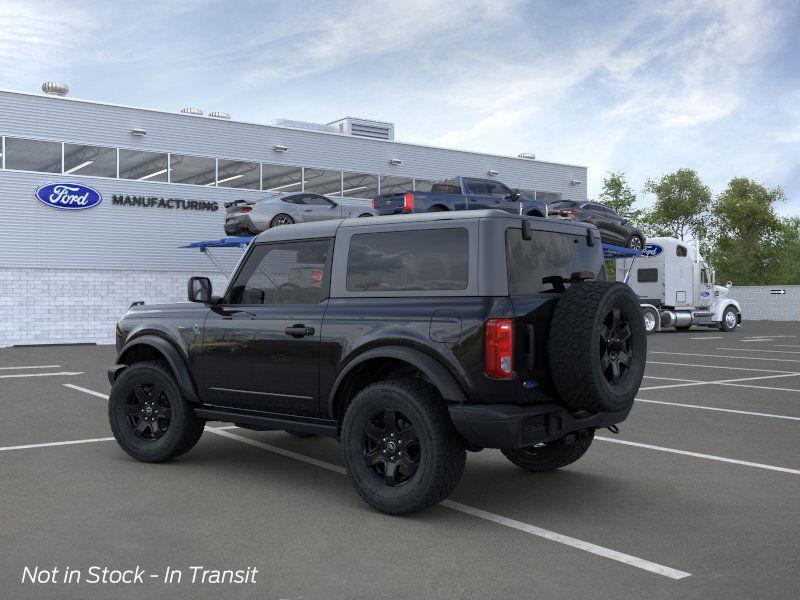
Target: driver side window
point(284, 273)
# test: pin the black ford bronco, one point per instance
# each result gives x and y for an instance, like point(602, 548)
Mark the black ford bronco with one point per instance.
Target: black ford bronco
point(410, 338)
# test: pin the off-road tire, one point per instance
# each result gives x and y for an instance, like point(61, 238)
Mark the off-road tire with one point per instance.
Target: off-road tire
point(575, 346)
point(441, 451)
point(551, 456)
point(184, 430)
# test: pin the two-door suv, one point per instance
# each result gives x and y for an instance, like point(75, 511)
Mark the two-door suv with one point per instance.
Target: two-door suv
point(410, 338)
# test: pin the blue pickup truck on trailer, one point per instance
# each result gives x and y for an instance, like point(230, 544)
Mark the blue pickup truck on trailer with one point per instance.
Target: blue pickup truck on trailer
point(461, 193)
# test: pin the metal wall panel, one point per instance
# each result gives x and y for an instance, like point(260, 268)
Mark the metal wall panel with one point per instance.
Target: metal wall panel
point(117, 237)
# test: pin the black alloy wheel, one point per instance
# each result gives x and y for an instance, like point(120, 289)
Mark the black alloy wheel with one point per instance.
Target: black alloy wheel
point(148, 411)
point(615, 346)
point(391, 447)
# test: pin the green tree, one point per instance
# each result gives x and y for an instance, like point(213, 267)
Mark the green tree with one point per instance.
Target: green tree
point(617, 194)
point(681, 205)
point(750, 243)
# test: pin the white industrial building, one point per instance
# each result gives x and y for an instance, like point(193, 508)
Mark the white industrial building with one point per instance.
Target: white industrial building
point(66, 275)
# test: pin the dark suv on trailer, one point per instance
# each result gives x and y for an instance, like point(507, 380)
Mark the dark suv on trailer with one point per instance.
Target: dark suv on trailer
point(409, 338)
point(614, 228)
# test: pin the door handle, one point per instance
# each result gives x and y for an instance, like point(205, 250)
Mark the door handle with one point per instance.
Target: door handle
point(308, 209)
point(298, 331)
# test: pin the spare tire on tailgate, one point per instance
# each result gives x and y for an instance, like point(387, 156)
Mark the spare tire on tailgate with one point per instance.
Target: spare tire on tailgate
point(597, 346)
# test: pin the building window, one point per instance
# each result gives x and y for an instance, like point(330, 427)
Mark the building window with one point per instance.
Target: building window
point(423, 185)
point(396, 185)
point(280, 178)
point(194, 170)
point(33, 155)
point(97, 161)
point(360, 185)
point(433, 259)
point(144, 166)
point(321, 181)
point(237, 174)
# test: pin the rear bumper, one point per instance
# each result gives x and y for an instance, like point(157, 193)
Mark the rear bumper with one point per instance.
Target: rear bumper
point(509, 426)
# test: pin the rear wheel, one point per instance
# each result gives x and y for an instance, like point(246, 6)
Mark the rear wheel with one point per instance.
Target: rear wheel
point(552, 455)
point(400, 448)
point(635, 243)
point(281, 219)
point(150, 418)
point(729, 320)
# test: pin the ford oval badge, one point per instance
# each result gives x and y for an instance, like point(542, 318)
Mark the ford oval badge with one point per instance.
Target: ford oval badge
point(68, 196)
point(652, 250)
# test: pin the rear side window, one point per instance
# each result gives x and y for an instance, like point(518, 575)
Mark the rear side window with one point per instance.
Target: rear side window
point(647, 275)
point(446, 187)
point(549, 254)
point(433, 259)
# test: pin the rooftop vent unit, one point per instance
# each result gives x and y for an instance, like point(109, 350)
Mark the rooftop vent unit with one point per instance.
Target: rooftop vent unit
point(377, 130)
point(51, 88)
point(303, 125)
point(527, 155)
point(219, 115)
point(192, 111)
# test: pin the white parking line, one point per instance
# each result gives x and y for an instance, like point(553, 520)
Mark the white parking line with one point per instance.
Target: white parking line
point(668, 379)
point(727, 410)
point(700, 455)
point(759, 387)
point(718, 382)
point(725, 356)
point(758, 340)
point(16, 375)
point(31, 367)
point(758, 350)
point(787, 346)
point(49, 444)
point(708, 337)
point(82, 389)
point(482, 514)
point(657, 362)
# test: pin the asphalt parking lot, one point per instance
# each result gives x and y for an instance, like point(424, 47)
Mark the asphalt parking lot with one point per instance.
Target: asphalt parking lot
point(697, 497)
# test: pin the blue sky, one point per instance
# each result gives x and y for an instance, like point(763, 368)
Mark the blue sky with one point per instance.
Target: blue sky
point(641, 87)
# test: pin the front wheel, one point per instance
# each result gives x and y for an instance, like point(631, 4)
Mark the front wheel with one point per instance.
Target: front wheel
point(651, 317)
point(400, 448)
point(729, 320)
point(552, 455)
point(150, 418)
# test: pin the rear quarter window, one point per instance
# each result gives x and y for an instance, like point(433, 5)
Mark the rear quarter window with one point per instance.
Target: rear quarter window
point(548, 254)
point(432, 259)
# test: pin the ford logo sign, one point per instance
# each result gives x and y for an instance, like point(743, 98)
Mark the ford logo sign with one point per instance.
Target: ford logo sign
point(68, 196)
point(652, 250)
point(705, 294)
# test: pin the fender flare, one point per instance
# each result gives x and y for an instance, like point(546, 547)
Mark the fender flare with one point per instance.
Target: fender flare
point(729, 302)
point(439, 376)
point(173, 356)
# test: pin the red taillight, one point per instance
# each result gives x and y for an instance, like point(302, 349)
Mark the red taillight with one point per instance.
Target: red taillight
point(569, 212)
point(246, 209)
point(408, 202)
point(498, 348)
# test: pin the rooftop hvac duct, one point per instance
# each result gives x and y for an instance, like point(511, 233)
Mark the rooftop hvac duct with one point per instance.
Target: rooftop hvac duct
point(527, 155)
point(377, 130)
point(219, 115)
point(303, 125)
point(51, 88)
point(192, 111)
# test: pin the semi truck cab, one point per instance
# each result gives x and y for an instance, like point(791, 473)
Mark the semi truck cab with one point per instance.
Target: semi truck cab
point(676, 288)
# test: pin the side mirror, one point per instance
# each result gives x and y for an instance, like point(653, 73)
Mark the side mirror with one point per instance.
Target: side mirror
point(729, 285)
point(334, 204)
point(199, 289)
